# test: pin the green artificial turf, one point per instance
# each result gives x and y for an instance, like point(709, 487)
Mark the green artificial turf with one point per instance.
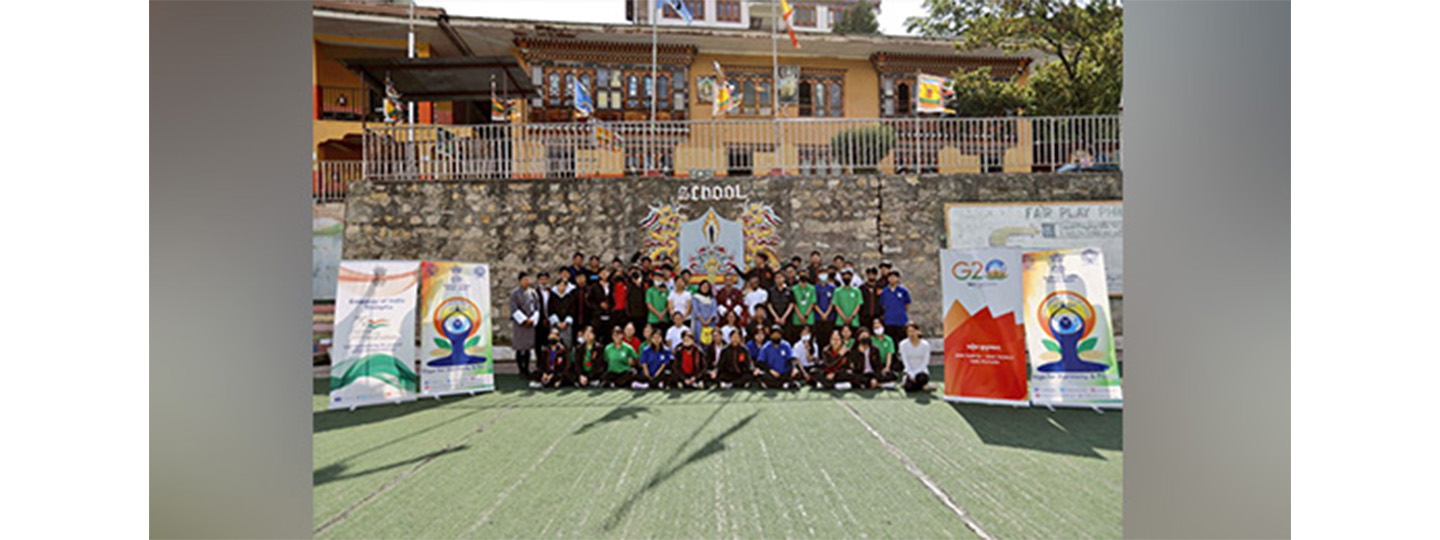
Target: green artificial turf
point(521, 463)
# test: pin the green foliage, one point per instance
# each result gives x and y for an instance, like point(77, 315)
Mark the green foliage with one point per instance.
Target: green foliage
point(1087, 344)
point(473, 341)
point(1084, 37)
point(977, 93)
point(858, 19)
point(442, 344)
point(862, 144)
point(1050, 345)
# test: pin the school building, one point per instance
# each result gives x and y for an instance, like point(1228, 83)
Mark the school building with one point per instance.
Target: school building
point(851, 106)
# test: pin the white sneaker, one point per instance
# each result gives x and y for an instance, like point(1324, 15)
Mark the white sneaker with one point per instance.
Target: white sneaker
point(842, 386)
point(535, 384)
point(929, 388)
point(640, 386)
point(888, 385)
point(726, 386)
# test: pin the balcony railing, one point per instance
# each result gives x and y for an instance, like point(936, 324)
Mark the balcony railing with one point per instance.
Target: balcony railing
point(742, 148)
point(331, 178)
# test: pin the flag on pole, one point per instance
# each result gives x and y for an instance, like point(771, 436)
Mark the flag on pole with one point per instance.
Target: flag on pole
point(680, 7)
point(930, 93)
point(786, 12)
point(725, 101)
point(584, 106)
point(605, 136)
point(394, 109)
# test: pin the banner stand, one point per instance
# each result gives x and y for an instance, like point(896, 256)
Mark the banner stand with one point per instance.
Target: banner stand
point(987, 401)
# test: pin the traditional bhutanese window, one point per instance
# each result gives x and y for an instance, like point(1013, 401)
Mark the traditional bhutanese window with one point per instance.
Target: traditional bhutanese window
point(747, 105)
point(902, 93)
point(819, 99)
point(764, 99)
point(663, 97)
point(805, 107)
point(727, 10)
point(553, 92)
point(696, 7)
point(837, 102)
point(805, 16)
point(632, 91)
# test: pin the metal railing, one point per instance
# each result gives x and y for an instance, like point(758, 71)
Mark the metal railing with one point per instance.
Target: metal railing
point(331, 178)
point(742, 148)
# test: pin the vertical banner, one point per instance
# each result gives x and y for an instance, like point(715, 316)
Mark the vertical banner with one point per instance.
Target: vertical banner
point(1067, 326)
point(456, 354)
point(373, 358)
point(984, 333)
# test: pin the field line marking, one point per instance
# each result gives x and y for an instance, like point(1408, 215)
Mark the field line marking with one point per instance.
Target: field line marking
point(506, 493)
point(337, 518)
point(917, 473)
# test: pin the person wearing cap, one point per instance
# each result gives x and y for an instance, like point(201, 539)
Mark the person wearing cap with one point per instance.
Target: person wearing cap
point(776, 361)
point(848, 301)
point(736, 367)
point(915, 353)
point(691, 367)
point(654, 362)
point(620, 360)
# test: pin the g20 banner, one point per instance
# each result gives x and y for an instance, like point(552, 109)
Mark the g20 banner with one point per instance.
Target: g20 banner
point(456, 353)
point(984, 336)
point(1067, 327)
point(374, 352)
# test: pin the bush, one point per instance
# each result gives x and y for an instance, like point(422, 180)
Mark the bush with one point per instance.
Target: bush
point(862, 148)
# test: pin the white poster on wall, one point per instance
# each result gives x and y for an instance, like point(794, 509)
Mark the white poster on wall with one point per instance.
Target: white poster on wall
point(1043, 225)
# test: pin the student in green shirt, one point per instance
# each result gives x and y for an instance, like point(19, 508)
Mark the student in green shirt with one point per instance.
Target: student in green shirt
point(619, 359)
point(885, 344)
point(804, 302)
point(657, 299)
point(847, 301)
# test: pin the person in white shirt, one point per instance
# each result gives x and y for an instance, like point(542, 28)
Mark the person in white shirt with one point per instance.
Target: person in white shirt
point(804, 351)
point(915, 353)
point(676, 331)
point(679, 301)
point(755, 296)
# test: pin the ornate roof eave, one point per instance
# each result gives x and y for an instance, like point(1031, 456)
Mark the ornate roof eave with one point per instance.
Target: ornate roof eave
point(551, 49)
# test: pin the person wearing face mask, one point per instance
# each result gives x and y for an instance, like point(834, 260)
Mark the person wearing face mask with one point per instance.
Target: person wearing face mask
point(824, 305)
point(691, 367)
point(806, 361)
point(657, 300)
point(865, 367)
point(587, 364)
point(885, 344)
point(655, 362)
point(736, 364)
point(778, 366)
point(804, 313)
point(636, 310)
point(620, 360)
point(554, 364)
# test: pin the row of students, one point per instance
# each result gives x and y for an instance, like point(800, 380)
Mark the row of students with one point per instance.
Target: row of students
point(765, 360)
point(652, 294)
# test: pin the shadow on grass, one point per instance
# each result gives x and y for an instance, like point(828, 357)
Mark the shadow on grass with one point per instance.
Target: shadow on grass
point(336, 471)
point(714, 446)
point(615, 415)
point(1065, 431)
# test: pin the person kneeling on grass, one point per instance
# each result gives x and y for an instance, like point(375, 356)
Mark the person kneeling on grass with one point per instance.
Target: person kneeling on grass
point(654, 362)
point(691, 368)
point(776, 360)
point(915, 352)
point(586, 361)
point(834, 365)
point(620, 360)
point(554, 366)
point(736, 366)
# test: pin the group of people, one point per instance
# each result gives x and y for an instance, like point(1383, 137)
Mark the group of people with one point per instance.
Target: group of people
point(645, 325)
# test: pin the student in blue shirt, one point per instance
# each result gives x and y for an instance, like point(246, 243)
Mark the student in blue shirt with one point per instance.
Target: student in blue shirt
point(895, 299)
point(775, 360)
point(824, 312)
point(655, 362)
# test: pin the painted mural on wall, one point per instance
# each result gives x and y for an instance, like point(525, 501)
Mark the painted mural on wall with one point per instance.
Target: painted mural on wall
point(698, 231)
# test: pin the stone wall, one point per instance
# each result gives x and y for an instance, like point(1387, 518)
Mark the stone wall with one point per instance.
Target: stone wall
point(528, 224)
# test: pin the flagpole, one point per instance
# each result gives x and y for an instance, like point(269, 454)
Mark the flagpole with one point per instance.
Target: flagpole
point(775, 17)
point(654, 86)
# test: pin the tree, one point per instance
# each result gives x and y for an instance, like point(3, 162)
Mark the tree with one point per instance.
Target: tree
point(1083, 36)
point(858, 19)
point(977, 93)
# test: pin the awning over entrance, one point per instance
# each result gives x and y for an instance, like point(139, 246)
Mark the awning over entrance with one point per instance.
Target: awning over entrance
point(446, 79)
